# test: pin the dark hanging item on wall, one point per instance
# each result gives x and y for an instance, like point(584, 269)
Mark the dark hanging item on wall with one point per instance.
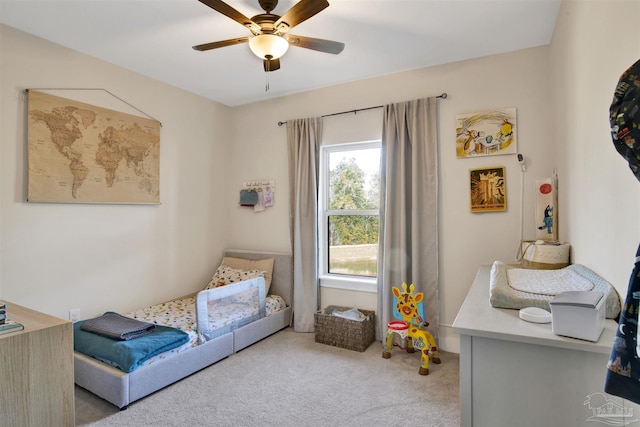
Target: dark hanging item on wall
point(248, 198)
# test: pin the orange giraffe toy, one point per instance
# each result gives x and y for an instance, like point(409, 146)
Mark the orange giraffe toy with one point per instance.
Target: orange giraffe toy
point(410, 308)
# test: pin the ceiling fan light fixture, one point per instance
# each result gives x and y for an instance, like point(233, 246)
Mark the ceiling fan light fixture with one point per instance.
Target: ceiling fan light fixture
point(268, 46)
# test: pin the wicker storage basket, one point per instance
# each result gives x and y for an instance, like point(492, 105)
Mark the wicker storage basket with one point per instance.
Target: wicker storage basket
point(344, 333)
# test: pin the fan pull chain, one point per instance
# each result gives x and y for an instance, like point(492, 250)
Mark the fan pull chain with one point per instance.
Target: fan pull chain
point(267, 68)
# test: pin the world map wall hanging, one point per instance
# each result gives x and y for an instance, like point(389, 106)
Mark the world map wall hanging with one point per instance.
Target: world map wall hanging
point(82, 153)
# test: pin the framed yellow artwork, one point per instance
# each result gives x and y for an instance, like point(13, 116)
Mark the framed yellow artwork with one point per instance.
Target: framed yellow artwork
point(488, 189)
point(486, 133)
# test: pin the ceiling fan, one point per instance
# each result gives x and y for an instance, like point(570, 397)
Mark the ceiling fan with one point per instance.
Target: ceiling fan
point(270, 38)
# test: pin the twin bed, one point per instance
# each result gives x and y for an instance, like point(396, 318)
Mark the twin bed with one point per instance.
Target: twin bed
point(239, 308)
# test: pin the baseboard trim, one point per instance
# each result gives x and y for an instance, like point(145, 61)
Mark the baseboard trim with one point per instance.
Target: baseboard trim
point(447, 339)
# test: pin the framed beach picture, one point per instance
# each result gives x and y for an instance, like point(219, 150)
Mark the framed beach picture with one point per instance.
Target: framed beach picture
point(487, 133)
point(488, 189)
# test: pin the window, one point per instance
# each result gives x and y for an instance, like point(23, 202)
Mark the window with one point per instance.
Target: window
point(349, 211)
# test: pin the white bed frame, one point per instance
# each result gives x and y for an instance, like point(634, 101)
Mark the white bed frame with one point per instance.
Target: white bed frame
point(121, 388)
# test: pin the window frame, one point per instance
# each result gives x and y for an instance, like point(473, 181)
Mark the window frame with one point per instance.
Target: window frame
point(333, 280)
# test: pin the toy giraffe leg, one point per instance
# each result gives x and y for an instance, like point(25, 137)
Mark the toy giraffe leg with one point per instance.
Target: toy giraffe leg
point(388, 345)
point(435, 354)
point(424, 362)
point(430, 347)
point(410, 348)
point(429, 350)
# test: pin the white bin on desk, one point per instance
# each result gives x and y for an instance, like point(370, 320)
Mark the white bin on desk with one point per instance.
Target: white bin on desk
point(578, 314)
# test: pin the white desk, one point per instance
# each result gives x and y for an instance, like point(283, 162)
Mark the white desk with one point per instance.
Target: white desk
point(517, 373)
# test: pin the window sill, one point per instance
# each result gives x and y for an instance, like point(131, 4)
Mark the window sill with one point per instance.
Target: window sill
point(349, 283)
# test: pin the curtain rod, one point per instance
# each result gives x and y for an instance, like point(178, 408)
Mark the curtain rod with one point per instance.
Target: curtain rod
point(443, 96)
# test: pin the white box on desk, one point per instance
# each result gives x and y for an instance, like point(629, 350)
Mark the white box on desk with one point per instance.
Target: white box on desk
point(578, 314)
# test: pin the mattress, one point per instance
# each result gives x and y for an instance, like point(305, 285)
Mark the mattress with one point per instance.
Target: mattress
point(503, 295)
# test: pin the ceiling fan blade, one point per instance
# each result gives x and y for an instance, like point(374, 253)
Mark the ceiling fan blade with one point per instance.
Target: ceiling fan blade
point(222, 43)
point(227, 10)
point(327, 46)
point(300, 12)
point(271, 64)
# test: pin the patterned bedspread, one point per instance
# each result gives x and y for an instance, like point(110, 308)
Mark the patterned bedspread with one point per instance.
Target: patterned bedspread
point(181, 314)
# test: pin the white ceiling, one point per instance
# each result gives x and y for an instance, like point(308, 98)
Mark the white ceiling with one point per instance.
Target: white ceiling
point(154, 38)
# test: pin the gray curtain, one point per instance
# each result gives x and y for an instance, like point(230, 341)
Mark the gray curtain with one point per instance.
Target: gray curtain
point(303, 140)
point(409, 207)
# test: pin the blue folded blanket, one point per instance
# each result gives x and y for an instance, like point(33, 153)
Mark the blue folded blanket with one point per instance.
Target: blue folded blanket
point(128, 355)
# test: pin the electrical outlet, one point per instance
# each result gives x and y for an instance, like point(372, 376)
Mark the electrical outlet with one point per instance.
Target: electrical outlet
point(74, 315)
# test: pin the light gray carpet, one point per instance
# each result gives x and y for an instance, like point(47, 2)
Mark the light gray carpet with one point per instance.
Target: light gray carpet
point(290, 380)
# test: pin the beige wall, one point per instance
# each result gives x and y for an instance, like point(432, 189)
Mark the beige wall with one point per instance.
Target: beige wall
point(56, 257)
point(561, 92)
point(519, 79)
point(97, 257)
point(593, 43)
